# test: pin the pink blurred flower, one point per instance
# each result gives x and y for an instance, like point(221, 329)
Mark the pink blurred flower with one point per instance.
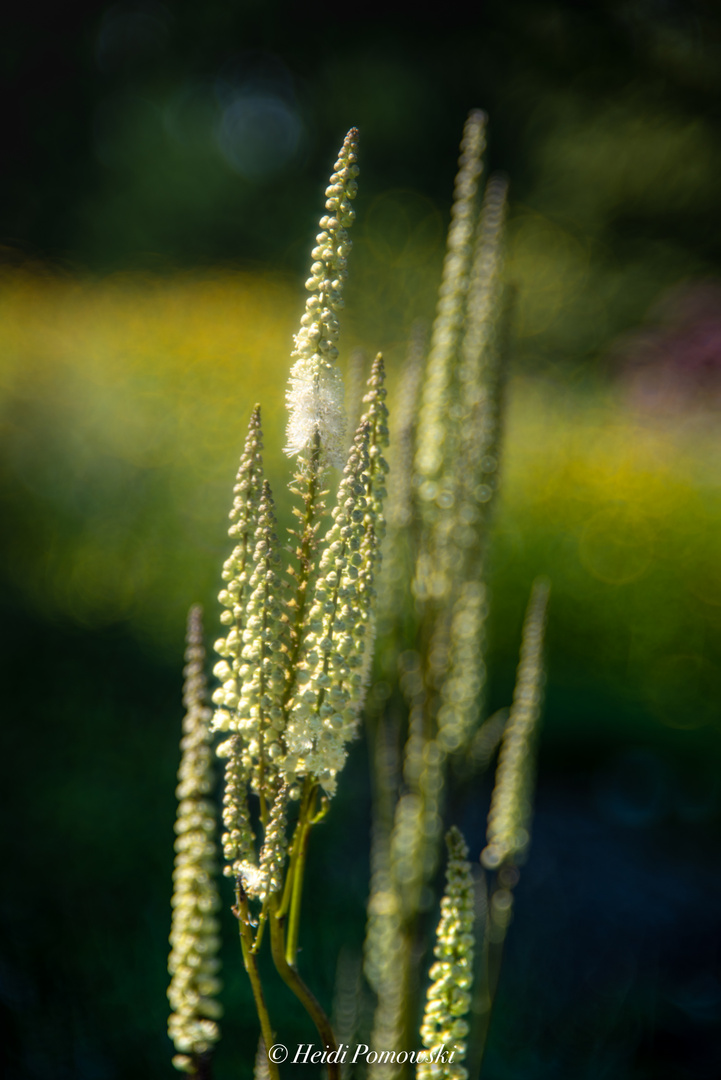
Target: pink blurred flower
point(674, 362)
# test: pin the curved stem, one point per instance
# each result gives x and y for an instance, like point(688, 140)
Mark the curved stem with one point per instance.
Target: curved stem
point(293, 981)
point(306, 822)
point(251, 966)
point(282, 911)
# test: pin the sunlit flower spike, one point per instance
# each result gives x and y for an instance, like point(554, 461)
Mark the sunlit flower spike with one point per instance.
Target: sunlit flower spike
point(315, 394)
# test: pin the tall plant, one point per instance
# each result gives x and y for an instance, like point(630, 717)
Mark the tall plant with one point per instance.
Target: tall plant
point(296, 659)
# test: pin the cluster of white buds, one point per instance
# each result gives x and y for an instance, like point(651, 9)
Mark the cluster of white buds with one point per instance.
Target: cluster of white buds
point(315, 395)
point(236, 569)
point(327, 677)
point(253, 675)
point(332, 669)
point(509, 817)
point(238, 838)
point(275, 843)
point(294, 663)
point(251, 671)
point(376, 416)
point(449, 999)
point(288, 724)
point(193, 963)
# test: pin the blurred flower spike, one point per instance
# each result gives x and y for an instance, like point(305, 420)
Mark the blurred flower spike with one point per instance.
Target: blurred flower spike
point(193, 963)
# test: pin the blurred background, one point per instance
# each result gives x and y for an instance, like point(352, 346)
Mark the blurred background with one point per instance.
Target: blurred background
point(163, 168)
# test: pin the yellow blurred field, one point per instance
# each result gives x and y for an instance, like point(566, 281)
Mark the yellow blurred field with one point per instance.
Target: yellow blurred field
point(124, 402)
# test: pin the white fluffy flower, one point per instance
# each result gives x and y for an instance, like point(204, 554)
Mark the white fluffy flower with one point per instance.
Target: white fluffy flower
point(255, 880)
point(315, 404)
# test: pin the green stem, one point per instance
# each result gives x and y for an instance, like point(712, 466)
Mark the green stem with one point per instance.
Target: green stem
point(294, 848)
point(259, 932)
point(293, 981)
point(291, 948)
point(251, 966)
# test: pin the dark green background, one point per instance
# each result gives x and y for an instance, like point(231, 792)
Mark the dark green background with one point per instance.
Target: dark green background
point(612, 965)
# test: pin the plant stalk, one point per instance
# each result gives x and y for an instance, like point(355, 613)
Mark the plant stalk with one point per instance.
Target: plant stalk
point(291, 947)
point(293, 981)
point(251, 966)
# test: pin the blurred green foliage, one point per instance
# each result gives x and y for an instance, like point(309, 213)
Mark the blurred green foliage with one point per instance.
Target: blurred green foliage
point(124, 401)
point(152, 282)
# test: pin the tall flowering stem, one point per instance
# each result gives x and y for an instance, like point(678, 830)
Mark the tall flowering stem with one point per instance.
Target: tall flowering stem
point(508, 833)
point(316, 420)
point(331, 667)
point(439, 520)
point(447, 327)
point(509, 817)
point(448, 1000)
point(315, 394)
point(295, 664)
point(294, 658)
point(193, 963)
point(432, 627)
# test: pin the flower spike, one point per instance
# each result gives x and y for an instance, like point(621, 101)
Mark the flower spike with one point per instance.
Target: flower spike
point(193, 963)
point(449, 999)
point(315, 394)
point(236, 571)
point(432, 424)
point(509, 817)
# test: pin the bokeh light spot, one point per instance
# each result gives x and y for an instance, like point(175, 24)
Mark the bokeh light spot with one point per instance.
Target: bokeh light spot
point(259, 134)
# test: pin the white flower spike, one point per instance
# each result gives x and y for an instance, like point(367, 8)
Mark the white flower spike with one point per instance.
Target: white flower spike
point(315, 394)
